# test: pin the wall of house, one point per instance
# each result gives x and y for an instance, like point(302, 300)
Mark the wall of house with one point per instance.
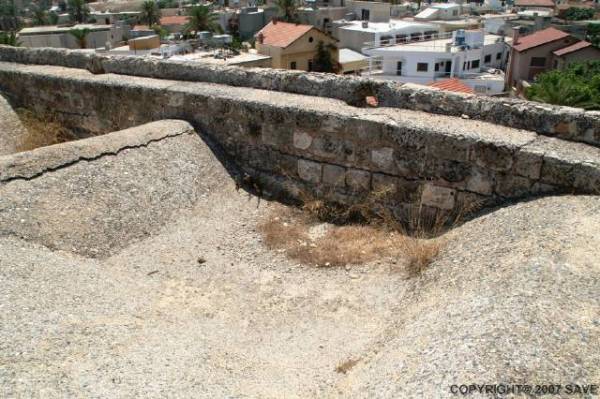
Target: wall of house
point(520, 62)
point(561, 122)
point(587, 54)
point(301, 51)
point(66, 40)
point(285, 142)
point(378, 11)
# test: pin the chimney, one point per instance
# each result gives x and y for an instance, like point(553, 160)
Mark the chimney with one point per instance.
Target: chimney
point(516, 34)
point(260, 37)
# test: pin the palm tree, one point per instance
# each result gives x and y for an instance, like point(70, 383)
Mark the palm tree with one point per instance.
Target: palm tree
point(150, 13)
point(78, 10)
point(81, 36)
point(560, 88)
point(288, 10)
point(202, 19)
point(9, 39)
point(39, 16)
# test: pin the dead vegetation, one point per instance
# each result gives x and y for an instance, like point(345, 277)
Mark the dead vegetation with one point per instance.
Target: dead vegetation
point(346, 366)
point(323, 234)
point(42, 131)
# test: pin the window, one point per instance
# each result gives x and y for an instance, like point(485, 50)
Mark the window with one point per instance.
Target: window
point(474, 64)
point(310, 39)
point(499, 56)
point(487, 59)
point(293, 65)
point(437, 67)
point(538, 62)
point(400, 38)
point(464, 66)
point(399, 68)
point(365, 14)
point(455, 12)
point(310, 65)
point(385, 40)
point(422, 67)
point(415, 36)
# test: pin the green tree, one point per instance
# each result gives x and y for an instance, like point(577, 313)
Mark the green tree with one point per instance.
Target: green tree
point(201, 19)
point(39, 16)
point(52, 18)
point(9, 16)
point(160, 31)
point(78, 10)
point(579, 14)
point(150, 13)
point(323, 62)
point(288, 10)
point(9, 39)
point(593, 34)
point(576, 86)
point(81, 36)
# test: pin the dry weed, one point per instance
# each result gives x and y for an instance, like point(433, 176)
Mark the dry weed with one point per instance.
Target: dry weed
point(368, 231)
point(346, 366)
point(42, 131)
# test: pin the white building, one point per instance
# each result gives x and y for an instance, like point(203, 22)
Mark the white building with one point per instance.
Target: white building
point(441, 11)
point(59, 36)
point(472, 56)
point(356, 35)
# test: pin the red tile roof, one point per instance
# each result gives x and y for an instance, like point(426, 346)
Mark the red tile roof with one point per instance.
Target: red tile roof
point(282, 34)
point(452, 84)
point(572, 48)
point(538, 38)
point(174, 20)
point(534, 3)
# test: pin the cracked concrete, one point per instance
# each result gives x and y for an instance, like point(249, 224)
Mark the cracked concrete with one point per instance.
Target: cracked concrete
point(39, 161)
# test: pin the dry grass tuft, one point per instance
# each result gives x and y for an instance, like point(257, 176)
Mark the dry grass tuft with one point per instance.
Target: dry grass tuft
point(358, 234)
point(42, 131)
point(346, 366)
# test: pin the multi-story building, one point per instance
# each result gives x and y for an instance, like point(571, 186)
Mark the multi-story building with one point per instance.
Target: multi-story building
point(357, 35)
point(473, 57)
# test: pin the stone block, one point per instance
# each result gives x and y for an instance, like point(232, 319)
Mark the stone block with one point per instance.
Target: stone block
point(438, 197)
point(383, 158)
point(358, 180)
point(302, 140)
point(327, 146)
point(528, 164)
point(492, 157)
point(334, 175)
point(384, 182)
point(511, 186)
point(480, 181)
point(309, 171)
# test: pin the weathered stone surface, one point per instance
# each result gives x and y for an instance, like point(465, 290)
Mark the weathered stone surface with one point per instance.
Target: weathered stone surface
point(259, 129)
point(481, 182)
point(12, 131)
point(438, 197)
point(358, 180)
point(383, 158)
point(309, 171)
point(334, 175)
point(302, 140)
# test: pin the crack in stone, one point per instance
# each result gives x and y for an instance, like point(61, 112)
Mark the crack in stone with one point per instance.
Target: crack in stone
point(90, 159)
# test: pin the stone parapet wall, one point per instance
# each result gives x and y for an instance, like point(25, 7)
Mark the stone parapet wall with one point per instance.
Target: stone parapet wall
point(286, 141)
point(571, 124)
